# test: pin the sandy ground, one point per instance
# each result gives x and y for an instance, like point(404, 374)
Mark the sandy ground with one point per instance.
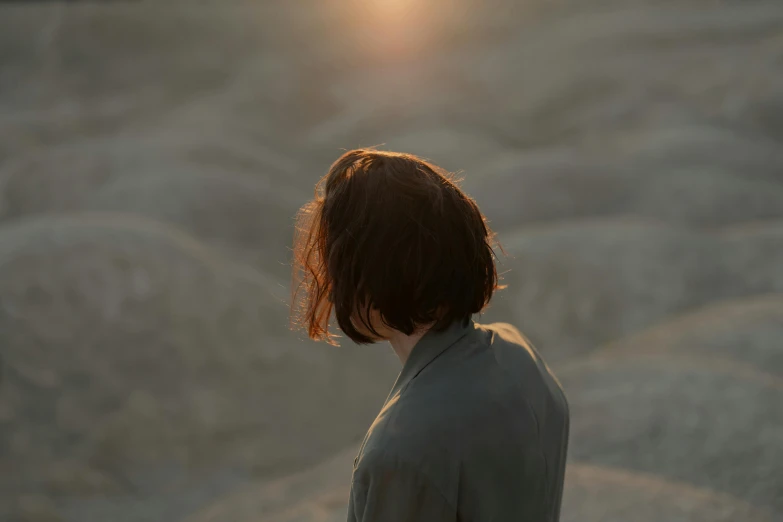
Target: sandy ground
point(629, 155)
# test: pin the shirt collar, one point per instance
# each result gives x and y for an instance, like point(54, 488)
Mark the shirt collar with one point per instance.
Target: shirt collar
point(430, 346)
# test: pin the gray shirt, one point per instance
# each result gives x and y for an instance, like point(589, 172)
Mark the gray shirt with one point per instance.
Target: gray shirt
point(475, 429)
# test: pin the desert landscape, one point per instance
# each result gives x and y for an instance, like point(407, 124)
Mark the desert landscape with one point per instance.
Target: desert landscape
point(153, 156)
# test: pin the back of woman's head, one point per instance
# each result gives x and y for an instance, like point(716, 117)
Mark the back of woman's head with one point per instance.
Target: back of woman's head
point(391, 232)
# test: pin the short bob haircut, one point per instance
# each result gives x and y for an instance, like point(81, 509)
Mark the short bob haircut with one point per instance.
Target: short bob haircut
point(391, 232)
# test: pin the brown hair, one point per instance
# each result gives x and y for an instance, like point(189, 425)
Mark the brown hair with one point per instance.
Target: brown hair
point(393, 232)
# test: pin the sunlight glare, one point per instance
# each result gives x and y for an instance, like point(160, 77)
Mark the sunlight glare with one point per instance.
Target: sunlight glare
point(400, 24)
point(393, 6)
point(392, 30)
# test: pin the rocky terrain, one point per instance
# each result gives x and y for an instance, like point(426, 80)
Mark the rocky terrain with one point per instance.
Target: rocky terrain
point(629, 155)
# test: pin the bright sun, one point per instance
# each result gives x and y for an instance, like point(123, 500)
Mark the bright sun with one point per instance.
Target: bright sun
point(398, 28)
point(394, 7)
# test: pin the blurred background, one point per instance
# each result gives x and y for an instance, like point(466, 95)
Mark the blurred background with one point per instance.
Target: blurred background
point(153, 156)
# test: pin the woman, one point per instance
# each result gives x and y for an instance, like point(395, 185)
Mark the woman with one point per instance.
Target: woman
point(476, 426)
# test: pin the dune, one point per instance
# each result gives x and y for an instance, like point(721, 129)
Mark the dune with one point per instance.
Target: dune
point(251, 215)
point(67, 46)
point(58, 179)
point(592, 493)
point(715, 424)
point(754, 254)
point(153, 363)
point(317, 494)
point(615, 495)
point(579, 284)
point(542, 187)
point(748, 331)
point(611, 67)
point(743, 150)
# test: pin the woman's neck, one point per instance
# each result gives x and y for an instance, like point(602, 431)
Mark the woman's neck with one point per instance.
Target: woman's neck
point(403, 344)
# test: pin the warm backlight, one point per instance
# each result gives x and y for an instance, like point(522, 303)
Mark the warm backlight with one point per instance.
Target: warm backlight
point(399, 29)
point(393, 7)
